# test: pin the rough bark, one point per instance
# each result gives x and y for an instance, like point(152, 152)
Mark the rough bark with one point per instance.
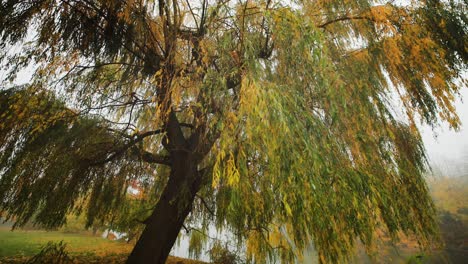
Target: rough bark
point(164, 224)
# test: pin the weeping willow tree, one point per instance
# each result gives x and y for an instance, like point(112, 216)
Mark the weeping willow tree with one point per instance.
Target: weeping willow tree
point(272, 121)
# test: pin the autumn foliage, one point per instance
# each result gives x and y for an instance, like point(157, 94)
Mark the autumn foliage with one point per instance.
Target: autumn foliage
point(274, 122)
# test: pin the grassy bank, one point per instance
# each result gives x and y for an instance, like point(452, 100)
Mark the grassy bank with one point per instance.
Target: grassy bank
point(19, 245)
point(28, 243)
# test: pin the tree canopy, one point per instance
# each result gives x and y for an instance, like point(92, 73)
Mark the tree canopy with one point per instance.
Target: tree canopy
point(280, 115)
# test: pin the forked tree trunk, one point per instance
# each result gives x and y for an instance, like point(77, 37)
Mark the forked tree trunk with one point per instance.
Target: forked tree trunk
point(164, 224)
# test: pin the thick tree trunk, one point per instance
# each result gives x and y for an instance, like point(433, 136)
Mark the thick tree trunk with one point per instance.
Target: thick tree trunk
point(164, 224)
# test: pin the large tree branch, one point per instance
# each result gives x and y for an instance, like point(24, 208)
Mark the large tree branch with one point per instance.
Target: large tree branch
point(121, 150)
point(149, 157)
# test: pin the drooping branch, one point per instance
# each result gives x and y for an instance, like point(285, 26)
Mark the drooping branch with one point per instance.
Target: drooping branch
point(208, 208)
point(345, 18)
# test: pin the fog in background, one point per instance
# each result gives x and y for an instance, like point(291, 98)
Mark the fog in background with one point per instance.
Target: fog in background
point(448, 149)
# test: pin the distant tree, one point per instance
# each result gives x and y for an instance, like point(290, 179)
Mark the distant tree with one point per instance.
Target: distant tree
point(267, 119)
point(464, 164)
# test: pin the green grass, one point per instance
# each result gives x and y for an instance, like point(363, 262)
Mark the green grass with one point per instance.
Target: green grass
point(19, 245)
point(28, 243)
